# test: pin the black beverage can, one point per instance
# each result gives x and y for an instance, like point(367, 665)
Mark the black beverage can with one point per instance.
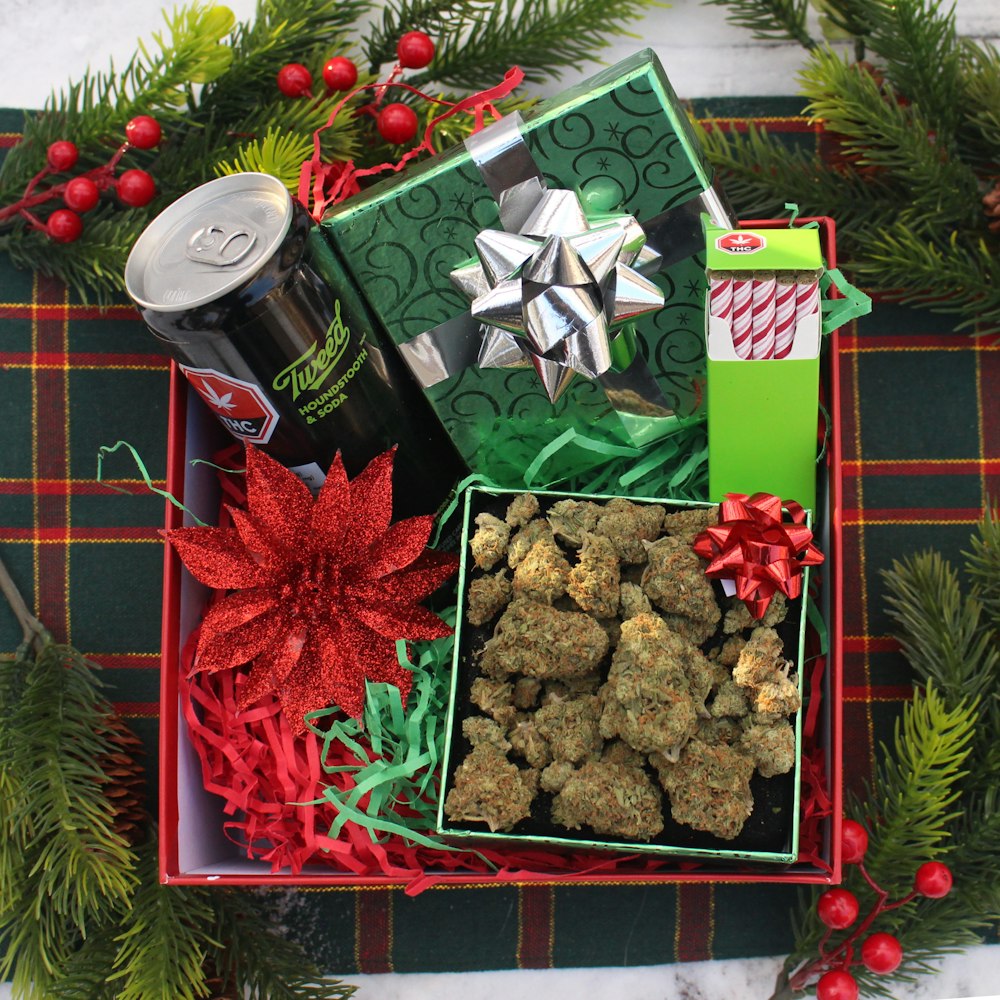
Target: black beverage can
point(246, 295)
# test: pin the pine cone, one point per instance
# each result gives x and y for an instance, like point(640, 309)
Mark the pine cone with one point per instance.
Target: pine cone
point(991, 207)
point(126, 780)
point(220, 987)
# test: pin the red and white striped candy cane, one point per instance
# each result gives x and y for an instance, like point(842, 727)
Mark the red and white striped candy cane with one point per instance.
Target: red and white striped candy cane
point(762, 339)
point(784, 315)
point(807, 297)
point(720, 294)
point(742, 324)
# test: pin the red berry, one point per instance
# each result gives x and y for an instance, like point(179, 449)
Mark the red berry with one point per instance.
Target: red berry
point(837, 985)
point(136, 188)
point(933, 879)
point(397, 123)
point(415, 50)
point(837, 908)
point(855, 840)
point(882, 953)
point(62, 155)
point(143, 132)
point(81, 194)
point(294, 80)
point(340, 73)
point(64, 226)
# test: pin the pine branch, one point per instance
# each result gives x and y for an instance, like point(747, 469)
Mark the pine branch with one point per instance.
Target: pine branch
point(264, 965)
point(960, 277)
point(911, 143)
point(541, 38)
point(983, 564)
point(942, 634)
point(975, 856)
point(279, 154)
point(94, 111)
point(94, 265)
point(434, 17)
point(917, 787)
point(177, 939)
point(918, 45)
point(907, 812)
point(65, 868)
point(873, 126)
point(770, 20)
point(979, 133)
point(281, 31)
point(84, 976)
point(242, 105)
point(759, 174)
point(849, 18)
point(163, 949)
point(82, 863)
point(296, 119)
point(39, 942)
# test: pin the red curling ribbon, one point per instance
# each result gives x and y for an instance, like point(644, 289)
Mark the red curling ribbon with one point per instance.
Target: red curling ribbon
point(324, 184)
point(757, 550)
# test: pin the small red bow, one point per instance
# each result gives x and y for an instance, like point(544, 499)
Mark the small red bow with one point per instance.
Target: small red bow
point(752, 546)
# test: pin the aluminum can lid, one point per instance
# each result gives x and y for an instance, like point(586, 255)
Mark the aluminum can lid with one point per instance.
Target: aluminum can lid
point(208, 242)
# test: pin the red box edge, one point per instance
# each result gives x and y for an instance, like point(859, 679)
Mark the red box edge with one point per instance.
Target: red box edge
point(169, 638)
point(168, 849)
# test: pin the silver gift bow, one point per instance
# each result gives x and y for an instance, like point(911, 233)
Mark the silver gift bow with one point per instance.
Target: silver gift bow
point(548, 290)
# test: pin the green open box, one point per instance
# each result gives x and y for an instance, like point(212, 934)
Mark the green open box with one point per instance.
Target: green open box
point(762, 414)
point(770, 836)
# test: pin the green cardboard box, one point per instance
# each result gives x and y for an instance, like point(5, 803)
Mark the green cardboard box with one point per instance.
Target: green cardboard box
point(762, 414)
point(769, 837)
point(620, 140)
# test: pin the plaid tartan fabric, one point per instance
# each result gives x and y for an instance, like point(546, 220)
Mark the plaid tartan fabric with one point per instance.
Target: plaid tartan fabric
point(921, 438)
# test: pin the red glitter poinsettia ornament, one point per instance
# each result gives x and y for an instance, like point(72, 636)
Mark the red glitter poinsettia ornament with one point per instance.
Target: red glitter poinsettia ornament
point(321, 588)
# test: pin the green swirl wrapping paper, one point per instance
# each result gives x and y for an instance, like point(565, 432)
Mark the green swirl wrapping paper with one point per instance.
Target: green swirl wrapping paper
point(622, 131)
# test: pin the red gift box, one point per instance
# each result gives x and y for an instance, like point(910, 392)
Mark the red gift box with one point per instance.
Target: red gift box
point(194, 848)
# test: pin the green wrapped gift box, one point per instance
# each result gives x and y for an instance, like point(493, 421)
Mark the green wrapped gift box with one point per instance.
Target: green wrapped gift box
point(624, 145)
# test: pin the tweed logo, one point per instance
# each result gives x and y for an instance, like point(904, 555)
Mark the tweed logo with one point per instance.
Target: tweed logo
point(316, 364)
point(241, 406)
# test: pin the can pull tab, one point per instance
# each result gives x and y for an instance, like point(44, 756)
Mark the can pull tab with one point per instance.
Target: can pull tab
point(212, 245)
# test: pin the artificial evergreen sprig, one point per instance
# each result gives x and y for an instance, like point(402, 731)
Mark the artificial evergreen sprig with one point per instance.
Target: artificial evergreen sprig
point(163, 949)
point(157, 81)
point(93, 112)
point(435, 17)
point(908, 156)
point(983, 565)
point(762, 174)
point(277, 153)
point(82, 913)
point(917, 786)
point(65, 865)
point(543, 39)
point(936, 792)
point(265, 975)
point(943, 635)
point(770, 20)
point(907, 812)
point(212, 84)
